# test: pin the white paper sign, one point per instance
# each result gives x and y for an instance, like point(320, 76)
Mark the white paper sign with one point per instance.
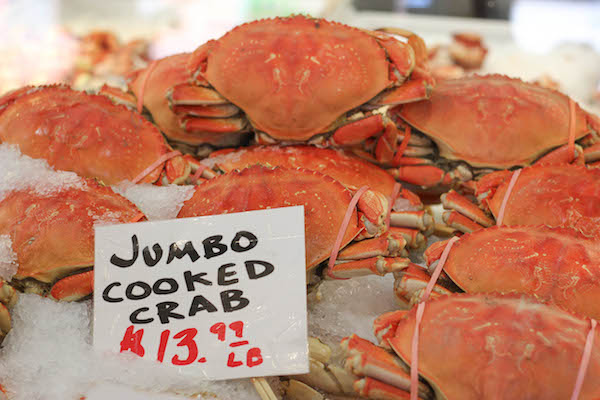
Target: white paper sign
point(217, 297)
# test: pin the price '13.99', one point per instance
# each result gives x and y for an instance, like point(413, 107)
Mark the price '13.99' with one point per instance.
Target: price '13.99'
point(132, 341)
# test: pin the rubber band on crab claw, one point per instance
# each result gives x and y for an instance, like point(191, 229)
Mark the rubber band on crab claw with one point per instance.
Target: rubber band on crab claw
point(395, 193)
point(201, 168)
point(511, 185)
point(340, 236)
point(414, 359)
point(155, 164)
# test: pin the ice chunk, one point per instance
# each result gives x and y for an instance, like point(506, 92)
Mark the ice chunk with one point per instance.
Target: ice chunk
point(18, 172)
point(8, 259)
point(156, 202)
point(48, 356)
point(350, 306)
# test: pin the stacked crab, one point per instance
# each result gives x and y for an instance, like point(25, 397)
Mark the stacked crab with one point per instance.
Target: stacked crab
point(335, 113)
point(107, 143)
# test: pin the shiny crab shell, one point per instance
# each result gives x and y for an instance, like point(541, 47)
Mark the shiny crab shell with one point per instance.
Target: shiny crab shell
point(87, 134)
point(407, 214)
point(478, 123)
point(553, 195)
point(52, 236)
point(480, 347)
point(556, 265)
point(291, 79)
point(325, 202)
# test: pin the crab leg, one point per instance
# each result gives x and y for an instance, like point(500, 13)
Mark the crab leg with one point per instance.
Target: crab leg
point(564, 155)
point(414, 238)
point(207, 111)
point(407, 93)
point(390, 244)
point(355, 132)
point(367, 360)
point(454, 201)
point(422, 175)
point(323, 374)
point(421, 220)
point(410, 284)
point(457, 221)
point(592, 153)
point(73, 287)
point(374, 389)
point(368, 266)
point(185, 94)
point(384, 326)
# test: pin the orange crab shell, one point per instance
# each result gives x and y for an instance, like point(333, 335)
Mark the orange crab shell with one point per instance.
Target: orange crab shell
point(329, 68)
point(494, 121)
point(53, 234)
point(257, 188)
point(556, 265)
point(505, 347)
point(352, 172)
point(79, 132)
point(570, 197)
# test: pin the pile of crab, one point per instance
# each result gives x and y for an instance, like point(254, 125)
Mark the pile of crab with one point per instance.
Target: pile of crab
point(350, 124)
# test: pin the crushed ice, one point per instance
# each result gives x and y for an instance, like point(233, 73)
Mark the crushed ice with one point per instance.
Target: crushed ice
point(156, 202)
point(48, 355)
point(8, 259)
point(18, 172)
point(350, 306)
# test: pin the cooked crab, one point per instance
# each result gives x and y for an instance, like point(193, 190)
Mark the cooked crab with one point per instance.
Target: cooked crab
point(554, 195)
point(479, 346)
point(326, 202)
point(556, 265)
point(52, 236)
point(294, 79)
point(477, 124)
point(89, 135)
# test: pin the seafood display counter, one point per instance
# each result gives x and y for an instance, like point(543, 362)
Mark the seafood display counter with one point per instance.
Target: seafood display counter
point(451, 193)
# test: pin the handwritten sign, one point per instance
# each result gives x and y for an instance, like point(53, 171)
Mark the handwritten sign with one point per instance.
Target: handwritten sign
point(218, 297)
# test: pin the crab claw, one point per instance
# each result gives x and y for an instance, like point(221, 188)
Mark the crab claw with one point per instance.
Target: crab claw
point(185, 111)
point(368, 360)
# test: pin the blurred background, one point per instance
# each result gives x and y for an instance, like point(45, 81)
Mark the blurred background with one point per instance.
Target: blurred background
point(43, 41)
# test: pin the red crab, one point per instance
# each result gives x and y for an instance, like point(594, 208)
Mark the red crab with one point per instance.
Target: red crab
point(477, 124)
point(554, 195)
point(87, 134)
point(294, 79)
point(52, 236)
point(480, 346)
point(557, 265)
point(406, 212)
point(325, 203)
